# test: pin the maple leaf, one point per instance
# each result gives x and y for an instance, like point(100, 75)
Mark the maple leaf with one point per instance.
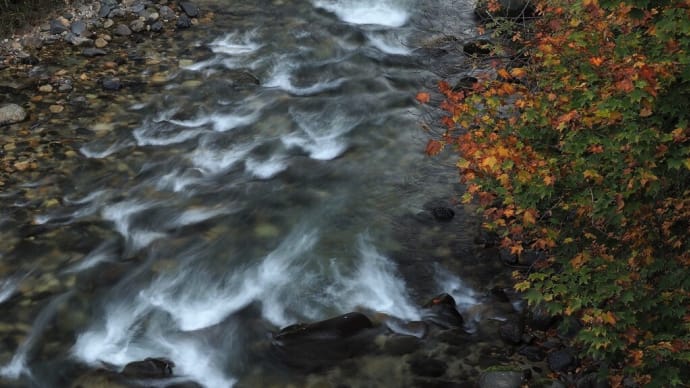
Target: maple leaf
point(433, 147)
point(423, 97)
point(529, 217)
point(596, 61)
point(518, 72)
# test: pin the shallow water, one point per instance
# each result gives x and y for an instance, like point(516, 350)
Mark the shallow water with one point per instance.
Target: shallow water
point(212, 211)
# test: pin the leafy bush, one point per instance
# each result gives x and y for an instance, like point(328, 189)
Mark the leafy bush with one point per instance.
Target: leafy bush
point(16, 14)
point(582, 151)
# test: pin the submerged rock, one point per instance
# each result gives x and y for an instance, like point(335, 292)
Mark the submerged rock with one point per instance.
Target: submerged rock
point(501, 379)
point(11, 114)
point(316, 345)
point(189, 8)
point(427, 367)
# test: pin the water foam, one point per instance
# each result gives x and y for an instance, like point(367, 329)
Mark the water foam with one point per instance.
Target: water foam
point(384, 12)
point(321, 132)
point(121, 215)
point(388, 44)
point(374, 284)
point(281, 78)
point(266, 169)
point(196, 299)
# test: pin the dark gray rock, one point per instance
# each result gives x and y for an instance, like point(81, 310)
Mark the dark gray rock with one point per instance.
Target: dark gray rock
point(166, 13)
point(443, 214)
point(465, 83)
point(117, 13)
point(57, 28)
point(479, 48)
point(77, 40)
point(78, 27)
point(561, 360)
point(93, 52)
point(532, 353)
point(137, 8)
point(501, 379)
point(111, 83)
point(511, 332)
point(506, 257)
point(591, 380)
point(441, 311)
point(184, 21)
point(189, 8)
point(122, 30)
point(427, 366)
point(11, 114)
point(107, 6)
point(539, 318)
point(312, 346)
point(157, 26)
point(150, 368)
point(401, 344)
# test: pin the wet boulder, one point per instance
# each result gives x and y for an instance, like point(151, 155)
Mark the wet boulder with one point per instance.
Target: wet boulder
point(441, 312)
point(561, 360)
point(150, 368)
point(320, 344)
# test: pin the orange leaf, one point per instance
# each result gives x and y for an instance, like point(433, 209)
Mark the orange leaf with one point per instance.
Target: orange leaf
point(596, 61)
point(433, 147)
point(504, 73)
point(423, 97)
point(609, 318)
point(518, 72)
point(529, 217)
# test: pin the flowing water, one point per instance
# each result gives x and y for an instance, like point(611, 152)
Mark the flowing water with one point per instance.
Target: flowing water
point(214, 212)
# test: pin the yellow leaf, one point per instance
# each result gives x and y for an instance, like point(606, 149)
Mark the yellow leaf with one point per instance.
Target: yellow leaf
point(645, 112)
point(579, 260)
point(686, 162)
point(528, 217)
point(462, 163)
point(490, 163)
point(609, 318)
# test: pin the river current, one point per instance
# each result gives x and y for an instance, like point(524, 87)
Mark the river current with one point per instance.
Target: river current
point(227, 209)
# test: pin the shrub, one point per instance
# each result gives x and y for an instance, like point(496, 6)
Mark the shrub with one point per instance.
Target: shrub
point(583, 152)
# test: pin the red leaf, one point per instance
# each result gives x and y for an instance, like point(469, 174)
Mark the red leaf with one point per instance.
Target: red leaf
point(433, 147)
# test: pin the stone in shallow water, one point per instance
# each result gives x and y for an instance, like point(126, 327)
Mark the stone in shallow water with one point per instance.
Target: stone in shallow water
point(427, 366)
point(93, 52)
point(78, 27)
point(111, 83)
point(11, 113)
point(443, 214)
point(189, 8)
point(501, 379)
point(122, 30)
point(57, 28)
point(166, 13)
point(184, 21)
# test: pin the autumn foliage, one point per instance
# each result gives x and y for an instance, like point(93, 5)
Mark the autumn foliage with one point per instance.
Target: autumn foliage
point(579, 147)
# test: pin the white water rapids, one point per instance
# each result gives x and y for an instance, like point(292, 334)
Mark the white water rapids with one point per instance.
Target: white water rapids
point(238, 209)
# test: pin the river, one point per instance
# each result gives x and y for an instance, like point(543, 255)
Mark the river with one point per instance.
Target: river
point(275, 176)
